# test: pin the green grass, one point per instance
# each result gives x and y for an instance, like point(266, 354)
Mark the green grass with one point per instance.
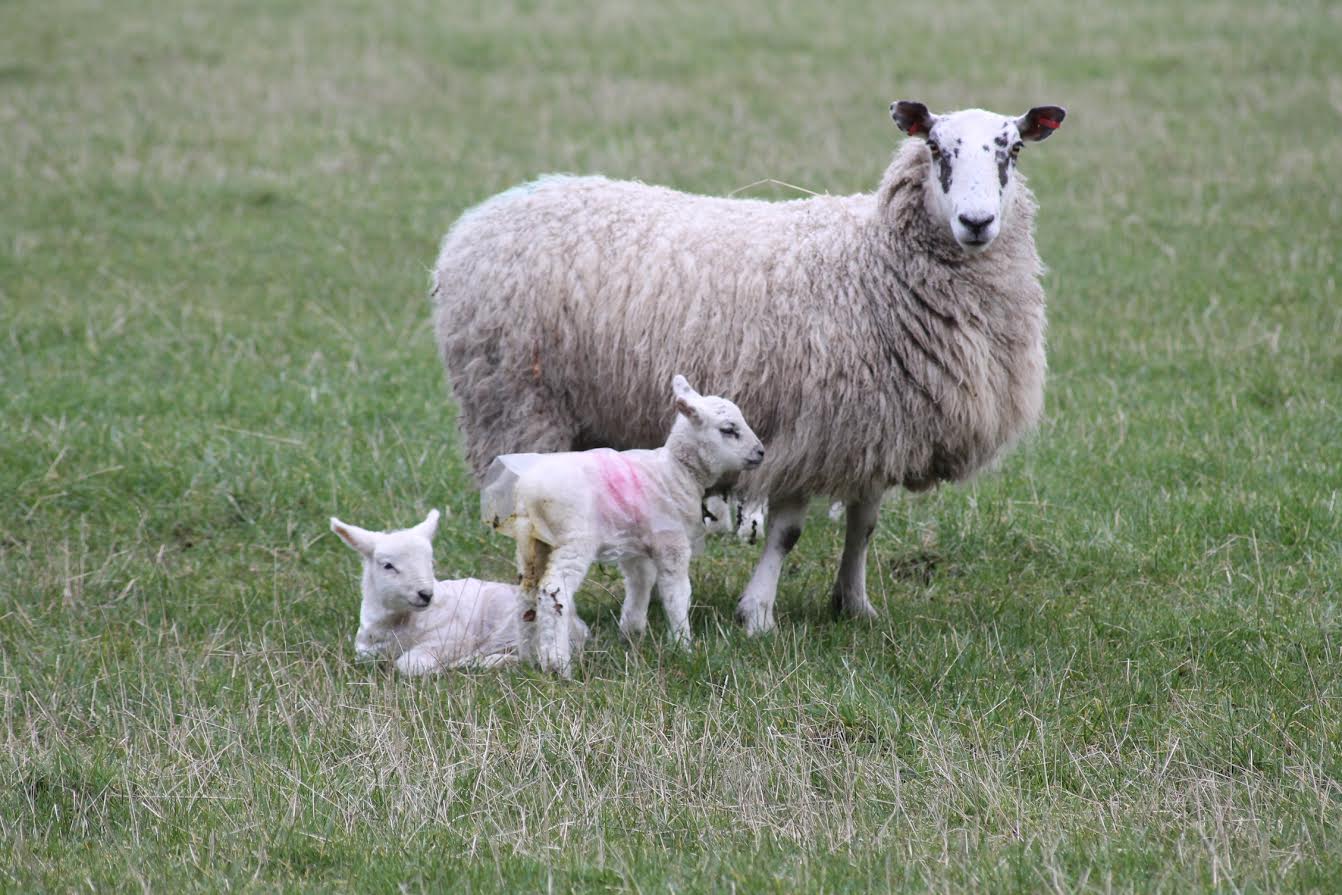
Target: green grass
point(1110, 664)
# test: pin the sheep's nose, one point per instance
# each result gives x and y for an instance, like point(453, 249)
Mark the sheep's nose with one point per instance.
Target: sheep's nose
point(976, 224)
point(426, 595)
point(756, 456)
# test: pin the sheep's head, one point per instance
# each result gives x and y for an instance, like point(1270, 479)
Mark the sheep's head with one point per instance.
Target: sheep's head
point(723, 442)
point(974, 163)
point(398, 565)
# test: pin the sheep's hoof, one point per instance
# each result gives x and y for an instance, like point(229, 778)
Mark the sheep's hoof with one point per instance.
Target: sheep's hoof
point(755, 616)
point(848, 605)
point(631, 634)
point(551, 664)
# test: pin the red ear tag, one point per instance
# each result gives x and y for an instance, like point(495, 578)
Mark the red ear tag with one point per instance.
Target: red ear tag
point(913, 129)
point(1048, 123)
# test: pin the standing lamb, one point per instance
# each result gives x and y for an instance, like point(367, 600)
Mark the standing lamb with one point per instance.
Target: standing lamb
point(425, 625)
point(882, 339)
point(639, 508)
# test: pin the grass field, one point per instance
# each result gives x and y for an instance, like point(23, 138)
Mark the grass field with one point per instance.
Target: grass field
point(1111, 664)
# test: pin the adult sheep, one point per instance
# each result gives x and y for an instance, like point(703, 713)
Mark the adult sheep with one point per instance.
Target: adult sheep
point(887, 338)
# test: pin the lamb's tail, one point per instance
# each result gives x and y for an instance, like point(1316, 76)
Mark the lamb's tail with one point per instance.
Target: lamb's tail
point(533, 555)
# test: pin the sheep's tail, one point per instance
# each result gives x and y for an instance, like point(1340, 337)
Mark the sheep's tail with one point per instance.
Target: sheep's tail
point(533, 555)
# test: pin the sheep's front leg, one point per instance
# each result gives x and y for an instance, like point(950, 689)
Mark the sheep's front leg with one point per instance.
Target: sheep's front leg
point(673, 585)
point(555, 605)
point(849, 596)
point(418, 661)
point(756, 609)
point(640, 573)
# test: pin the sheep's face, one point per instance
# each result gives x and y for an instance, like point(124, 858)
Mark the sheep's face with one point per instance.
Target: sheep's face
point(398, 565)
point(724, 442)
point(974, 163)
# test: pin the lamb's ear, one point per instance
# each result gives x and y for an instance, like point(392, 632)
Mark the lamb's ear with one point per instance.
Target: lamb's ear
point(429, 527)
point(689, 411)
point(912, 118)
point(685, 399)
point(1039, 122)
point(682, 389)
point(360, 539)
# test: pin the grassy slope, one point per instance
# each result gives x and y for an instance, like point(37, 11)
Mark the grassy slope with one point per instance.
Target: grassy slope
point(1111, 663)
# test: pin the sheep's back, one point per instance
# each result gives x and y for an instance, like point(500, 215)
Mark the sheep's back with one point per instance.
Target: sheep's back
point(582, 297)
point(595, 289)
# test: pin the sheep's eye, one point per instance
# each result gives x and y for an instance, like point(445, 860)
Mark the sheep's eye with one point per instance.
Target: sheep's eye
point(389, 567)
point(1015, 150)
point(933, 147)
point(730, 432)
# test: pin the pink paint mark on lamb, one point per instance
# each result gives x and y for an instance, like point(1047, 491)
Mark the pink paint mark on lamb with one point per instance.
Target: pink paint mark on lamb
point(620, 483)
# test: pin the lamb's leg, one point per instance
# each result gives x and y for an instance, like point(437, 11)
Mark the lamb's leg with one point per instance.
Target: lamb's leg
point(555, 604)
point(755, 611)
point(532, 556)
point(673, 586)
point(639, 575)
point(849, 596)
point(418, 661)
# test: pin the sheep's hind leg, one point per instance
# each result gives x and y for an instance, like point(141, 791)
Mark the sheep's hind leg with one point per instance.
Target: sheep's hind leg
point(532, 557)
point(639, 575)
point(755, 611)
point(563, 574)
point(849, 596)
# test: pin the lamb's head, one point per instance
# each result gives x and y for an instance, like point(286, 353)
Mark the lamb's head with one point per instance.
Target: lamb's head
point(714, 431)
point(974, 163)
point(397, 565)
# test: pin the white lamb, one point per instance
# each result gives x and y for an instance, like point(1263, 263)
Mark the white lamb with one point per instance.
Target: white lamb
point(426, 625)
point(639, 508)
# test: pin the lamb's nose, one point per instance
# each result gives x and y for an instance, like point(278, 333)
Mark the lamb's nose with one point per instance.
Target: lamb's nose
point(426, 595)
point(977, 223)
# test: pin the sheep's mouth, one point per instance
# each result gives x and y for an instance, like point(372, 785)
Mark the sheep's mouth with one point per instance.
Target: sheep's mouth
point(751, 464)
point(420, 603)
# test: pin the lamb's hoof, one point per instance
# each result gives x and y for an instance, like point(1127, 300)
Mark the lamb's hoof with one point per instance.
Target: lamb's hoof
point(632, 631)
point(682, 642)
point(756, 616)
point(417, 667)
point(847, 605)
point(562, 670)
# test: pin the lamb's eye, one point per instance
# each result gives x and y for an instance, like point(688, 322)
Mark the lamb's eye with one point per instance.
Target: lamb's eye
point(933, 147)
point(389, 567)
point(1015, 150)
point(729, 432)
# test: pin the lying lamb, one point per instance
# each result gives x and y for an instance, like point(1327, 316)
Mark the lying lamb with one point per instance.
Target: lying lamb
point(639, 508)
point(889, 338)
point(426, 625)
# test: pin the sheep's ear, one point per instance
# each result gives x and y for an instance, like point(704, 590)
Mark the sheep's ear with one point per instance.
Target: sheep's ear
point(687, 409)
point(429, 527)
point(912, 118)
point(360, 539)
point(1041, 121)
point(682, 389)
point(686, 398)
